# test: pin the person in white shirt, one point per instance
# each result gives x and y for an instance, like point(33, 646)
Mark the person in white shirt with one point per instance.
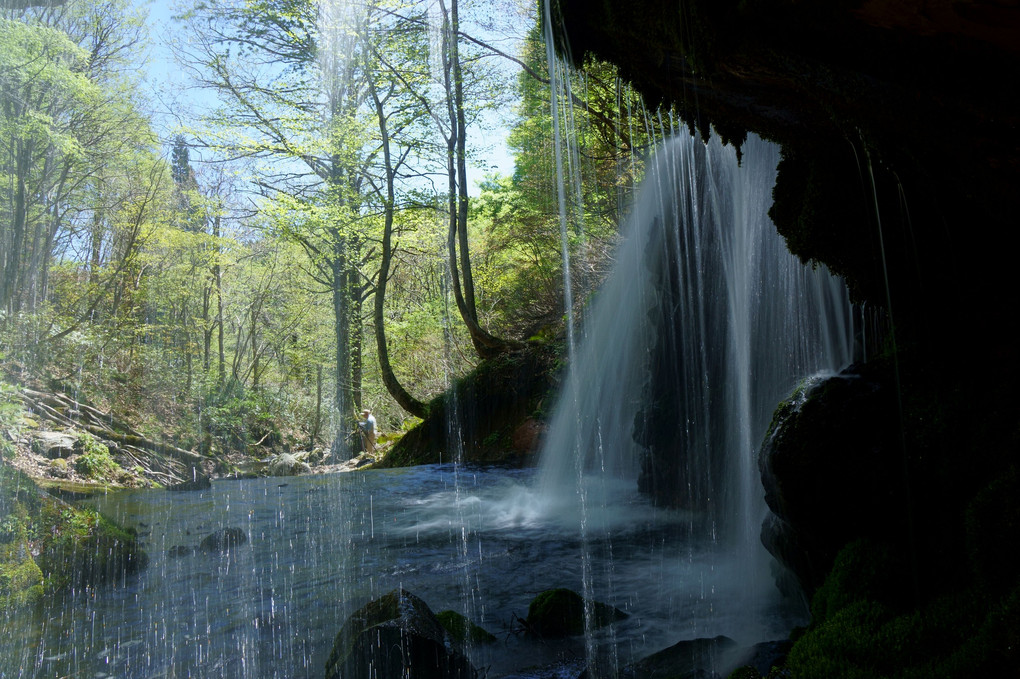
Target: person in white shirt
point(367, 428)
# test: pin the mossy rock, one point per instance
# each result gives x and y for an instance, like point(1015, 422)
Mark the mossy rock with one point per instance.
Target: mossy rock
point(960, 634)
point(489, 406)
point(462, 630)
point(993, 524)
point(47, 544)
point(84, 548)
point(396, 636)
point(21, 580)
point(558, 613)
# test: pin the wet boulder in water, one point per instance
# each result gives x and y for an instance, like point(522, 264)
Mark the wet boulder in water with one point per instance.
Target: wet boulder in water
point(557, 613)
point(691, 659)
point(396, 636)
point(223, 540)
point(463, 630)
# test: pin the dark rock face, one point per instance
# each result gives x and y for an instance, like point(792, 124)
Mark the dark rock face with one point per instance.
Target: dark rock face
point(495, 409)
point(831, 472)
point(395, 636)
point(892, 452)
point(899, 126)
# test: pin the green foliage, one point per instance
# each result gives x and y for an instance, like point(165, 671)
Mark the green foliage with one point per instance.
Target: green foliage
point(10, 418)
point(240, 417)
point(94, 460)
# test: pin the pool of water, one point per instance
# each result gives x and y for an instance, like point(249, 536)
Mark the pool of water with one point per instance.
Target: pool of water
point(479, 541)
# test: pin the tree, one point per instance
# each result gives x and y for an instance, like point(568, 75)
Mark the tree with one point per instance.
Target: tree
point(292, 88)
point(73, 132)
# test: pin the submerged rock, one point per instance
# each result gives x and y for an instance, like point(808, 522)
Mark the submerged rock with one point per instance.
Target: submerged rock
point(396, 636)
point(559, 613)
point(178, 551)
point(462, 630)
point(223, 540)
point(692, 659)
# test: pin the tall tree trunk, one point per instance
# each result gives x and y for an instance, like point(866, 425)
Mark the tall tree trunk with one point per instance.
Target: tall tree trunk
point(355, 296)
point(218, 281)
point(342, 328)
point(393, 385)
point(317, 423)
point(255, 350)
point(12, 268)
point(460, 267)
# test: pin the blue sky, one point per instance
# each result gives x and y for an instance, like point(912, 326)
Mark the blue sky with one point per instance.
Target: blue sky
point(168, 85)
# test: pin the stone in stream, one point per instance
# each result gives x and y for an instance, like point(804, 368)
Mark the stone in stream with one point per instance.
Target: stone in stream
point(557, 613)
point(223, 540)
point(396, 636)
point(692, 659)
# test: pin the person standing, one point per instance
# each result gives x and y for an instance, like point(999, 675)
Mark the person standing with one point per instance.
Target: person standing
point(367, 428)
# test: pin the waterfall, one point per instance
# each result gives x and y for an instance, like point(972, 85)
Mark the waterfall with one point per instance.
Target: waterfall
point(705, 324)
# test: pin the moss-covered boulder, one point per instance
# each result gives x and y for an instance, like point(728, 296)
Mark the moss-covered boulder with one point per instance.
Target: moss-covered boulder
point(396, 636)
point(85, 549)
point(491, 416)
point(865, 624)
point(557, 613)
point(47, 544)
point(462, 630)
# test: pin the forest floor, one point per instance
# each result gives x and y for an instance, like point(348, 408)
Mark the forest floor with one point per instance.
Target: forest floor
point(75, 449)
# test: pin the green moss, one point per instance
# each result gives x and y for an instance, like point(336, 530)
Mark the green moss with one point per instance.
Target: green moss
point(462, 630)
point(560, 613)
point(862, 627)
point(21, 579)
point(94, 461)
point(993, 523)
point(864, 570)
point(83, 548)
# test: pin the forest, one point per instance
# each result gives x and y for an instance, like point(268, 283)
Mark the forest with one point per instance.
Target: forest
point(239, 266)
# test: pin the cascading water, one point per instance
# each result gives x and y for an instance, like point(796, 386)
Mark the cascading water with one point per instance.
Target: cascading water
point(706, 323)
